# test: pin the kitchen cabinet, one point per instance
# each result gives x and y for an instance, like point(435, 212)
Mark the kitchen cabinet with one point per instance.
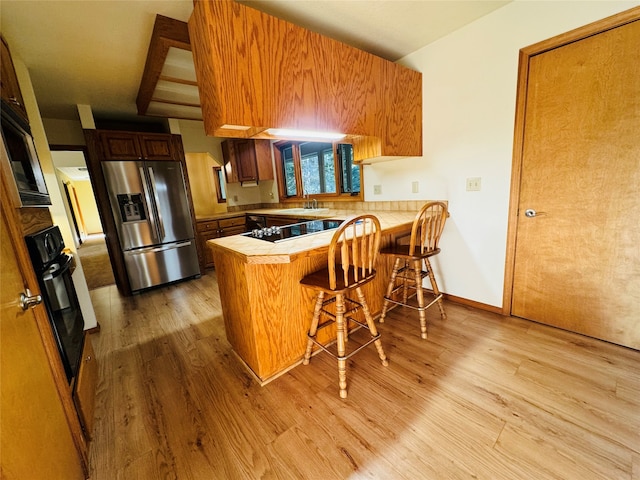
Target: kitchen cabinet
point(9, 86)
point(210, 229)
point(247, 160)
point(320, 84)
point(85, 386)
point(117, 145)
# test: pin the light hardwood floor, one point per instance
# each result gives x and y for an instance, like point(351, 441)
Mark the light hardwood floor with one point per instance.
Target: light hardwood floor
point(484, 397)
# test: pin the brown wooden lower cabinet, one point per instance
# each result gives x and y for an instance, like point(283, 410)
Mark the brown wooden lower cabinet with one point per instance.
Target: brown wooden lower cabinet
point(85, 387)
point(210, 229)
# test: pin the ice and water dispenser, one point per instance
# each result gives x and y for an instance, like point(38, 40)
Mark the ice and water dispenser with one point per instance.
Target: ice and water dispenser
point(131, 207)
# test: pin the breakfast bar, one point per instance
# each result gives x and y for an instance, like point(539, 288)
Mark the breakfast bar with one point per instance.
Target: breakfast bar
point(266, 311)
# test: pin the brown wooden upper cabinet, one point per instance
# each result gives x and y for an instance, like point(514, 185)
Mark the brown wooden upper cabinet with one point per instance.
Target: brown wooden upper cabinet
point(118, 145)
point(9, 86)
point(300, 80)
point(247, 160)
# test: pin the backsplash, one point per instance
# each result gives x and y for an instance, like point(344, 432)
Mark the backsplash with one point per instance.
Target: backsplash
point(397, 205)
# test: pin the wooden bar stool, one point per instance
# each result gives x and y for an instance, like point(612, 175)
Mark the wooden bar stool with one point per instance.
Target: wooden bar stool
point(352, 257)
point(408, 270)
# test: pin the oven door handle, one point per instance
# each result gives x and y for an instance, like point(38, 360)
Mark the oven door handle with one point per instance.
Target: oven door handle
point(64, 267)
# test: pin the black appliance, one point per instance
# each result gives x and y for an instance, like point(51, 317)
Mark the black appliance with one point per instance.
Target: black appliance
point(290, 232)
point(21, 150)
point(53, 269)
point(255, 222)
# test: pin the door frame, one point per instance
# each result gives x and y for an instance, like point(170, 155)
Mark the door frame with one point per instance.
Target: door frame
point(526, 53)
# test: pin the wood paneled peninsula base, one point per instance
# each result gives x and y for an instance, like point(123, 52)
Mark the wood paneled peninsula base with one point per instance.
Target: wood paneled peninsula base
point(266, 311)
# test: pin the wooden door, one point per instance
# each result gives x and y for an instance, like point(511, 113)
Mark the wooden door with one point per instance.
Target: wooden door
point(35, 439)
point(577, 261)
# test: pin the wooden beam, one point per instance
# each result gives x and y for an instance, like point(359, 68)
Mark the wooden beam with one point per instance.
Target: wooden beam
point(167, 33)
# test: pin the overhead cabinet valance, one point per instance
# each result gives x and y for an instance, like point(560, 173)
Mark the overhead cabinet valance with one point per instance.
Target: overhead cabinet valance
point(256, 72)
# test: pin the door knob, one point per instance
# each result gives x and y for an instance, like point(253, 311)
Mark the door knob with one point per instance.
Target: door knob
point(530, 212)
point(29, 301)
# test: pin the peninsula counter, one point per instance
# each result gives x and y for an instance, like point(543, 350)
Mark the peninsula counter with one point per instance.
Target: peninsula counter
point(266, 311)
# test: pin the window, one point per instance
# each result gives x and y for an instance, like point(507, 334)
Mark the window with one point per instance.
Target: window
point(218, 179)
point(316, 168)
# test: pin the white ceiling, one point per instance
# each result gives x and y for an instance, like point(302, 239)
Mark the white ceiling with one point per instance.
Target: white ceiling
point(93, 51)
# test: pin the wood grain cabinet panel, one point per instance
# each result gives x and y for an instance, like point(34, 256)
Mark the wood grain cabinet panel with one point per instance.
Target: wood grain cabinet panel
point(157, 146)
point(247, 160)
point(85, 387)
point(263, 72)
point(9, 86)
point(207, 231)
point(136, 146)
point(211, 229)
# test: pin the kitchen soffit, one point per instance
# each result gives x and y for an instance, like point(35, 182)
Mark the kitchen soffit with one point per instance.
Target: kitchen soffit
point(168, 87)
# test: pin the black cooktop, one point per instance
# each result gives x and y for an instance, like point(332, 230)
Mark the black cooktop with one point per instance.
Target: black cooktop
point(289, 232)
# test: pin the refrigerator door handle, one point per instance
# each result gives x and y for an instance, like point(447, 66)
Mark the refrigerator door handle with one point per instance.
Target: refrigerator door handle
point(152, 177)
point(153, 218)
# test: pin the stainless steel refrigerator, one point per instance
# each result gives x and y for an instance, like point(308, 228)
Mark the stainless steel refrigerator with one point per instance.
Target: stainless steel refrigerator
point(151, 211)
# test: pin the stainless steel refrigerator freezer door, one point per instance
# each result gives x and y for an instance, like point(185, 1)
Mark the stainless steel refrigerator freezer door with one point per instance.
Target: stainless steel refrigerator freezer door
point(130, 204)
point(169, 195)
point(148, 267)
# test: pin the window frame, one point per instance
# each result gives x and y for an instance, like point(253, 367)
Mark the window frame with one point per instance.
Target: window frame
point(217, 180)
point(280, 177)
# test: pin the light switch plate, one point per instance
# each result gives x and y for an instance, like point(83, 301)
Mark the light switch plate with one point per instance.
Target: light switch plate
point(377, 189)
point(415, 187)
point(474, 184)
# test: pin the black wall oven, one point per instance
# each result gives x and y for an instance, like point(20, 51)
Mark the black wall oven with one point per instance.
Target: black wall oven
point(53, 269)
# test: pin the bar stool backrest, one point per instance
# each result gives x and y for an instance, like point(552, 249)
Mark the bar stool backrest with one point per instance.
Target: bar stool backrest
point(354, 247)
point(427, 229)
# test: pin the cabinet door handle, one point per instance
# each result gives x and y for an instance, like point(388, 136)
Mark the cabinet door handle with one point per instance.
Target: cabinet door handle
point(15, 101)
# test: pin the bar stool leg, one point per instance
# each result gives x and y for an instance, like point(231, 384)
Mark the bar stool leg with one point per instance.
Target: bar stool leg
point(314, 327)
point(405, 283)
point(417, 269)
point(372, 326)
point(434, 287)
point(340, 333)
point(394, 274)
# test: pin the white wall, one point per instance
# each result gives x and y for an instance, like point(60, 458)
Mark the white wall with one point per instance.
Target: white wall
point(469, 95)
point(57, 209)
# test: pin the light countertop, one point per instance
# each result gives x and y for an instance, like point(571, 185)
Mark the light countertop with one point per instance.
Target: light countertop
point(256, 251)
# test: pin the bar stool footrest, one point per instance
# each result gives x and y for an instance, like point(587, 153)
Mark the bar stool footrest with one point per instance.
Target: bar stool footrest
point(413, 306)
point(347, 355)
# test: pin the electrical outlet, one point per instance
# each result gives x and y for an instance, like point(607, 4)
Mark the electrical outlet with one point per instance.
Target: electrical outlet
point(415, 186)
point(473, 184)
point(377, 189)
